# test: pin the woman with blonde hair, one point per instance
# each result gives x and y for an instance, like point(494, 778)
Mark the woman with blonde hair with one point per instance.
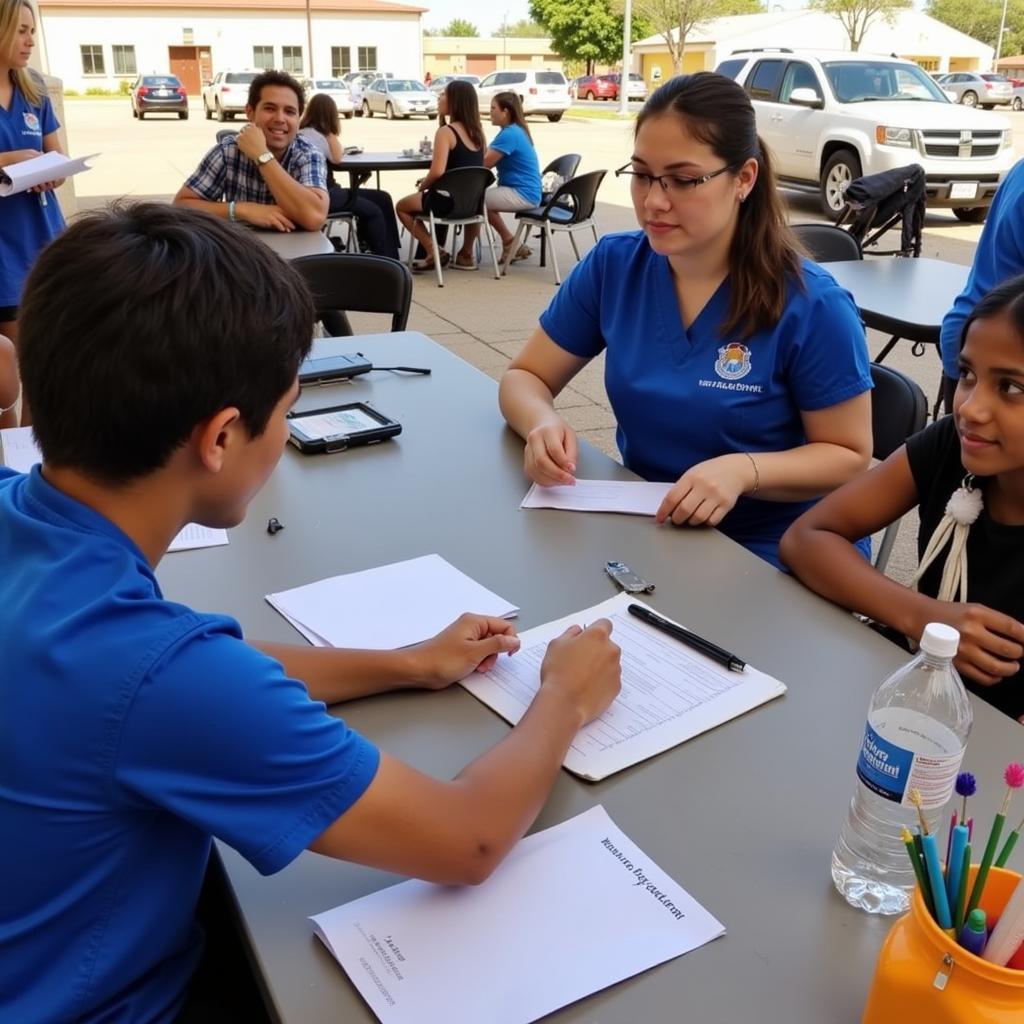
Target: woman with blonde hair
point(28, 128)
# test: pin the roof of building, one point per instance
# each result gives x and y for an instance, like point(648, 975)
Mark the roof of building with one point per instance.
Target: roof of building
point(126, 7)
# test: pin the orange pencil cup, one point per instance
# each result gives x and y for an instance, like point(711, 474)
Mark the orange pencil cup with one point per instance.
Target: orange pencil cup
point(924, 975)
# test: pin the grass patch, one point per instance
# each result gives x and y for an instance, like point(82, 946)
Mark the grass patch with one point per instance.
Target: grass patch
point(600, 113)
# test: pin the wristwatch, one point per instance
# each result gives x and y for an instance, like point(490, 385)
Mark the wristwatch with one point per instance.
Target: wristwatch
point(265, 158)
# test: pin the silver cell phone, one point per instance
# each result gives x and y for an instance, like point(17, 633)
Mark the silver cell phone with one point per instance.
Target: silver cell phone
point(628, 580)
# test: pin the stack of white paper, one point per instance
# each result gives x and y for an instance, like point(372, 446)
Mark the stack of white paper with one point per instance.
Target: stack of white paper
point(571, 911)
point(670, 693)
point(633, 497)
point(15, 178)
point(387, 607)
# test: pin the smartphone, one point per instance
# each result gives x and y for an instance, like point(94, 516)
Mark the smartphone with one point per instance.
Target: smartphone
point(339, 427)
point(329, 369)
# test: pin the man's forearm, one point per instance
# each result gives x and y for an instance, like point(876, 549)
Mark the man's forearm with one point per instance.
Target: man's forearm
point(305, 206)
point(206, 205)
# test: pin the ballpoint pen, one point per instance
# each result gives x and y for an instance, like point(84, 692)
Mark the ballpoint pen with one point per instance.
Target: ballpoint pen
point(698, 643)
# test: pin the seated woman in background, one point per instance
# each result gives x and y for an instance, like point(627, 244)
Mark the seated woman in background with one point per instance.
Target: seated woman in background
point(734, 367)
point(965, 475)
point(458, 142)
point(519, 185)
point(375, 213)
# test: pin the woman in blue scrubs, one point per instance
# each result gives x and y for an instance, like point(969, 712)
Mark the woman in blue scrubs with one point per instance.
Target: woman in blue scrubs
point(736, 368)
point(28, 127)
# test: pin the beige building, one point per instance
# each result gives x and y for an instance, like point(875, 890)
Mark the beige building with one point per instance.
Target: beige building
point(101, 43)
point(1012, 67)
point(928, 42)
point(469, 55)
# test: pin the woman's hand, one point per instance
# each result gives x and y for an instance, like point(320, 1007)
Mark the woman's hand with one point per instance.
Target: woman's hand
point(705, 493)
point(991, 643)
point(471, 643)
point(551, 451)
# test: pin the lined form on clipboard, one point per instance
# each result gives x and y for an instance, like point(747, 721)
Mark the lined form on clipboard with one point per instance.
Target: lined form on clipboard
point(16, 178)
point(669, 694)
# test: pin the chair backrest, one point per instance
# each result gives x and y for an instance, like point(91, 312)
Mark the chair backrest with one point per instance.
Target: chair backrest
point(898, 409)
point(224, 134)
point(558, 171)
point(358, 283)
point(826, 243)
point(464, 189)
point(580, 194)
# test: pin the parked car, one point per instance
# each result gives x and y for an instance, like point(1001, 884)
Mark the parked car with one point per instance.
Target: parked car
point(437, 85)
point(227, 94)
point(333, 87)
point(636, 87)
point(540, 92)
point(357, 81)
point(1018, 98)
point(830, 117)
point(398, 97)
point(159, 94)
point(974, 89)
point(596, 87)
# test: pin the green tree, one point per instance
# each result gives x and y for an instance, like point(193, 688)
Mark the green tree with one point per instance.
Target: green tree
point(460, 27)
point(856, 16)
point(585, 30)
point(980, 20)
point(522, 29)
point(676, 20)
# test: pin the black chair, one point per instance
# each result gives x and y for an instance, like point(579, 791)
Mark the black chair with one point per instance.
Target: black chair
point(570, 209)
point(877, 202)
point(224, 134)
point(898, 409)
point(559, 171)
point(461, 194)
point(828, 244)
point(356, 283)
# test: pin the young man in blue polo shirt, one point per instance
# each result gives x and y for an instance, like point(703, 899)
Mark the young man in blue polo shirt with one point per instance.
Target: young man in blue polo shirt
point(160, 351)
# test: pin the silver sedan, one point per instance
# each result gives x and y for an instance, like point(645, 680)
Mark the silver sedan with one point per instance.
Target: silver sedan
point(398, 97)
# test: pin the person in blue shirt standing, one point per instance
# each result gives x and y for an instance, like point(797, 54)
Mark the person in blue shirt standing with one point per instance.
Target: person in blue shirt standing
point(160, 350)
point(998, 257)
point(735, 368)
point(28, 127)
point(519, 185)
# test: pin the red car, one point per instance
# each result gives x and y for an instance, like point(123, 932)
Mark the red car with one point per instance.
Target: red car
point(593, 87)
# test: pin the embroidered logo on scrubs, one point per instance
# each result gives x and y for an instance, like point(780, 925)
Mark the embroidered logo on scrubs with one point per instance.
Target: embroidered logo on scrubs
point(31, 121)
point(733, 361)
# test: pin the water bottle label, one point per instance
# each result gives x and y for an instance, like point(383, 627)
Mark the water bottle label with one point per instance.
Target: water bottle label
point(892, 771)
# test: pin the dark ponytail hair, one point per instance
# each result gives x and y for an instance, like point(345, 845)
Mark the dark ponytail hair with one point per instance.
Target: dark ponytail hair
point(509, 102)
point(464, 108)
point(765, 254)
point(1006, 299)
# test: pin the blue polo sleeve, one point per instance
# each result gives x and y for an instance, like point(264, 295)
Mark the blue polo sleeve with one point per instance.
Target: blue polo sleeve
point(827, 362)
point(47, 118)
point(506, 141)
point(220, 736)
point(573, 317)
point(209, 178)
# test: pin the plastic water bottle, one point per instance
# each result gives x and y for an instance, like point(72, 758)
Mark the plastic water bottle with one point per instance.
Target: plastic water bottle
point(917, 728)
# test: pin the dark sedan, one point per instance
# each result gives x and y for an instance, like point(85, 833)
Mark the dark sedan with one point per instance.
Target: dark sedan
point(159, 94)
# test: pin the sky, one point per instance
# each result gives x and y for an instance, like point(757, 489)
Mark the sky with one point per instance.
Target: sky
point(486, 16)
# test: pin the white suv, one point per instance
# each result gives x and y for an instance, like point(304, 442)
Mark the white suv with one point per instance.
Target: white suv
point(830, 116)
point(540, 92)
point(227, 94)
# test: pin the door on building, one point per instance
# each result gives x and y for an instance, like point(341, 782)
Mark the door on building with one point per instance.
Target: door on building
point(192, 65)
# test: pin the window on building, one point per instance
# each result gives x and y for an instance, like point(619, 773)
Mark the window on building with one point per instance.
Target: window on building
point(263, 58)
point(341, 60)
point(92, 60)
point(367, 58)
point(291, 59)
point(124, 60)
point(188, 37)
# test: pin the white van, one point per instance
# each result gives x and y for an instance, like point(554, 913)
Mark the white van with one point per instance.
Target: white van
point(540, 92)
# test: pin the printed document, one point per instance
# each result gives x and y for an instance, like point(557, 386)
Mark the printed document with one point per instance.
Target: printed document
point(15, 178)
point(633, 497)
point(21, 452)
point(387, 607)
point(670, 692)
point(570, 911)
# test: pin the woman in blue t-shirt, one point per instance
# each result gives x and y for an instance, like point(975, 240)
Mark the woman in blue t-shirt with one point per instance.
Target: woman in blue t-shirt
point(519, 188)
point(28, 128)
point(737, 370)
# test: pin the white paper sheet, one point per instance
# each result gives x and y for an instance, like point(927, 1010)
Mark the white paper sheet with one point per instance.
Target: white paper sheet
point(21, 452)
point(572, 910)
point(387, 607)
point(633, 497)
point(669, 694)
point(15, 178)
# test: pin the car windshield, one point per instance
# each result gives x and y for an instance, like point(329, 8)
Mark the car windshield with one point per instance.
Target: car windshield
point(550, 78)
point(634, 77)
point(240, 77)
point(472, 79)
point(330, 83)
point(404, 85)
point(855, 81)
point(161, 80)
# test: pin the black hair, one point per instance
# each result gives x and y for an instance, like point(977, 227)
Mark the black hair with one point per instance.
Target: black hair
point(765, 254)
point(140, 322)
point(282, 78)
point(510, 103)
point(1006, 299)
point(464, 108)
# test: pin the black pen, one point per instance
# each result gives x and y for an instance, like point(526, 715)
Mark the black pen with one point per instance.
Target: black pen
point(698, 643)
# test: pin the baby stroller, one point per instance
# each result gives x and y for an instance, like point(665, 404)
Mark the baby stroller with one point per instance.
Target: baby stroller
point(876, 202)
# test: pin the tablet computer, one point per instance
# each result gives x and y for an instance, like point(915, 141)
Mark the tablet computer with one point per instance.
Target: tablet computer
point(329, 369)
point(339, 427)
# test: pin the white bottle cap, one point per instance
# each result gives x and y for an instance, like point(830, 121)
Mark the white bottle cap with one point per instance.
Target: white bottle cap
point(940, 640)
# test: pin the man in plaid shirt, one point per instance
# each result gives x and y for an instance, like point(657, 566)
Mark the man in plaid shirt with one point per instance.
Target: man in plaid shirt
point(265, 175)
